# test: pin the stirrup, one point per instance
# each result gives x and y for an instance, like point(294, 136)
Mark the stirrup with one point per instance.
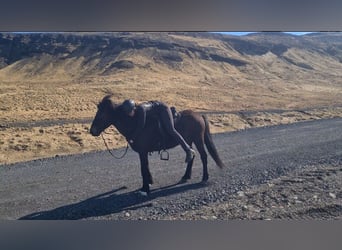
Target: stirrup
point(164, 155)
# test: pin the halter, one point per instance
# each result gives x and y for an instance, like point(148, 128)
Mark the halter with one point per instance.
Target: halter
point(116, 157)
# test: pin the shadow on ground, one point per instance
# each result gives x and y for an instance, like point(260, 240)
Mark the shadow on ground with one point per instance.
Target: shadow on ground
point(109, 203)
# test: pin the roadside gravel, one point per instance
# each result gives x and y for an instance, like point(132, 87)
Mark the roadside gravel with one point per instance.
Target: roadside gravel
point(314, 192)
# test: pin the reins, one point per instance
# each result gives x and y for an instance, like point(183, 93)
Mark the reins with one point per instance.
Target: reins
point(116, 157)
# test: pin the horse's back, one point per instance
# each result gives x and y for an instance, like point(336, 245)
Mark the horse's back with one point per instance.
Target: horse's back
point(190, 123)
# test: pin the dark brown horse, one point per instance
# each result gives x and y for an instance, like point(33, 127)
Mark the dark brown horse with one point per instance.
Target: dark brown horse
point(192, 126)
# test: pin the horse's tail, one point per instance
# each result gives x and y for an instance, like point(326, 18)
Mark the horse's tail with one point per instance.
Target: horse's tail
point(210, 144)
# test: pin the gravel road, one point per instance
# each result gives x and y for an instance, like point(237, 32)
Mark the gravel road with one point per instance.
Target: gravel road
point(96, 186)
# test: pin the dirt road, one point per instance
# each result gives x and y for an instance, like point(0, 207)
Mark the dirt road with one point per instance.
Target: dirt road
point(96, 186)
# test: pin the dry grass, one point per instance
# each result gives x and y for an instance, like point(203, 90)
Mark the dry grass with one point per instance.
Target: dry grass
point(36, 101)
point(24, 102)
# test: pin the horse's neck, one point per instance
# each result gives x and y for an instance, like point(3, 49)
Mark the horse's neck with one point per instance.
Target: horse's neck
point(125, 125)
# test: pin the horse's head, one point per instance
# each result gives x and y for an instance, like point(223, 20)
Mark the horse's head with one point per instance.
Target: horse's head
point(104, 117)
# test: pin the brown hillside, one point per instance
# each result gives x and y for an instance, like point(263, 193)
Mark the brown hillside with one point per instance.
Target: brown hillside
point(59, 75)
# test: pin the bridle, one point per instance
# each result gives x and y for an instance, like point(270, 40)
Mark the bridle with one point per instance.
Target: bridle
point(116, 157)
point(105, 142)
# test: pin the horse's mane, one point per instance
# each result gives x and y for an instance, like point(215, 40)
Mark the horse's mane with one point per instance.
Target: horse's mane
point(109, 96)
point(107, 102)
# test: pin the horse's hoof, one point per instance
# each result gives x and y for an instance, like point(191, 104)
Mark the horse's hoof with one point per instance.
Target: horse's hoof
point(182, 181)
point(205, 178)
point(143, 193)
point(204, 181)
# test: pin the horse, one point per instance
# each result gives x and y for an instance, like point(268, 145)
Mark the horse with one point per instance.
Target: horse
point(193, 126)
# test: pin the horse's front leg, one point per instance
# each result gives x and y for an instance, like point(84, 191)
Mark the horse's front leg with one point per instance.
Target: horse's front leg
point(145, 173)
point(204, 158)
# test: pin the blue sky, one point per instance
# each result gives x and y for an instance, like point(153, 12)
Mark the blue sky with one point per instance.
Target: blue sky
point(245, 33)
point(223, 32)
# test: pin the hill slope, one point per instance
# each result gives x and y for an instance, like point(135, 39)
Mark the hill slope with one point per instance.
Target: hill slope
point(204, 71)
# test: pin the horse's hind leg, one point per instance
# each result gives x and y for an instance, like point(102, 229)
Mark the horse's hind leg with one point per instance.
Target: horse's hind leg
point(204, 158)
point(188, 171)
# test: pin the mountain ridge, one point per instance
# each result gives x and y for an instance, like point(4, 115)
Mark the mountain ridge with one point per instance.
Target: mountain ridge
point(80, 55)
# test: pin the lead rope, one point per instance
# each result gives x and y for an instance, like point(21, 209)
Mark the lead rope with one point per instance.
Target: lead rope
point(116, 157)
